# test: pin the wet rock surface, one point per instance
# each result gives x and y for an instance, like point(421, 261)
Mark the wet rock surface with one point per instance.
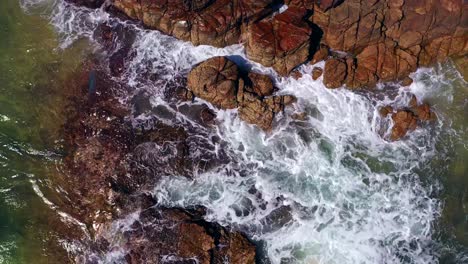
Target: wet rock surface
point(221, 82)
point(163, 235)
point(407, 119)
point(383, 40)
point(282, 42)
point(212, 22)
point(111, 163)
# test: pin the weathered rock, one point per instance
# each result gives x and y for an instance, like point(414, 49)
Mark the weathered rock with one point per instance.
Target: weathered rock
point(390, 39)
point(407, 81)
point(320, 54)
point(385, 111)
point(216, 80)
point(316, 73)
point(335, 73)
point(424, 113)
point(220, 81)
point(282, 42)
point(404, 121)
point(162, 234)
point(261, 84)
point(211, 22)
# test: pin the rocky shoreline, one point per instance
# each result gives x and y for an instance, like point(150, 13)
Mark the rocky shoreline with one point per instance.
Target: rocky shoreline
point(112, 163)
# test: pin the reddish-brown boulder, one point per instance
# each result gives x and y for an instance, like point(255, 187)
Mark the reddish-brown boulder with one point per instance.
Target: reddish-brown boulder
point(335, 73)
point(390, 39)
point(316, 73)
point(161, 233)
point(211, 22)
point(261, 84)
point(219, 81)
point(282, 42)
point(404, 121)
point(215, 80)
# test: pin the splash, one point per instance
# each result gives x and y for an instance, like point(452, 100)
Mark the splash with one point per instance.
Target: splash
point(329, 189)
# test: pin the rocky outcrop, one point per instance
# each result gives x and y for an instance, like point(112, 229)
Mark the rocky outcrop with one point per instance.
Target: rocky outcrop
point(407, 119)
point(212, 22)
point(282, 42)
point(382, 40)
point(220, 81)
point(163, 234)
point(387, 40)
point(110, 163)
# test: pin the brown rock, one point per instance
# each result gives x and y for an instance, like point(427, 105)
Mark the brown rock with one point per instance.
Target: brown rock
point(424, 113)
point(218, 81)
point(387, 44)
point(407, 81)
point(261, 84)
point(321, 54)
point(335, 73)
point(296, 74)
point(163, 232)
point(211, 22)
point(215, 80)
point(384, 111)
point(282, 42)
point(316, 73)
point(404, 121)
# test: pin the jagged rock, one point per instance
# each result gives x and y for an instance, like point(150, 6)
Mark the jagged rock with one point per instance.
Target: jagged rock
point(407, 81)
point(424, 113)
point(211, 22)
point(316, 73)
point(163, 234)
point(404, 121)
point(306, 4)
point(390, 39)
point(261, 84)
point(220, 81)
point(282, 42)
point(215, 80)
point(335, 73)
point(320, 54)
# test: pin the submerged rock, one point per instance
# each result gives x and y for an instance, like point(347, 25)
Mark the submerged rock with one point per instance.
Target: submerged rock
point(163, 234)
point(407, 119)
point(220, 81)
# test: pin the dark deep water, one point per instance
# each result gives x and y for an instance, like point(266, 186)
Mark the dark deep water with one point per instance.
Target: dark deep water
point(33, 74)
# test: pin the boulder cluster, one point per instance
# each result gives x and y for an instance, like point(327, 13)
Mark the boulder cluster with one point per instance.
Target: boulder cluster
point(407, 119)
point(221, 82)
point(380, 39)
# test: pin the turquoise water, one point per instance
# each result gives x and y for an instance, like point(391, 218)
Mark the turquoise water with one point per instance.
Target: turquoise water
point(34, 77)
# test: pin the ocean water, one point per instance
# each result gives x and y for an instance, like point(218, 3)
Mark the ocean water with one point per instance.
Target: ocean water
point(330, 189)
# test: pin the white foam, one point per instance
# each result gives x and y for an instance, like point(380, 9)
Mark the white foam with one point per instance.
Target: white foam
point(354, 197)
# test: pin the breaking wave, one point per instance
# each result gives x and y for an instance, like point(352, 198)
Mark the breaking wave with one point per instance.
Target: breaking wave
point(329, 189)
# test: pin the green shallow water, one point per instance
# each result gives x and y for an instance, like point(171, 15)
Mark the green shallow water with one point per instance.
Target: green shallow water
point(33, 73)
point(33, 77)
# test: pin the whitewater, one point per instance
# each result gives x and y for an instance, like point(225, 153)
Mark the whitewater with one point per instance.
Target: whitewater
point(328, 189)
